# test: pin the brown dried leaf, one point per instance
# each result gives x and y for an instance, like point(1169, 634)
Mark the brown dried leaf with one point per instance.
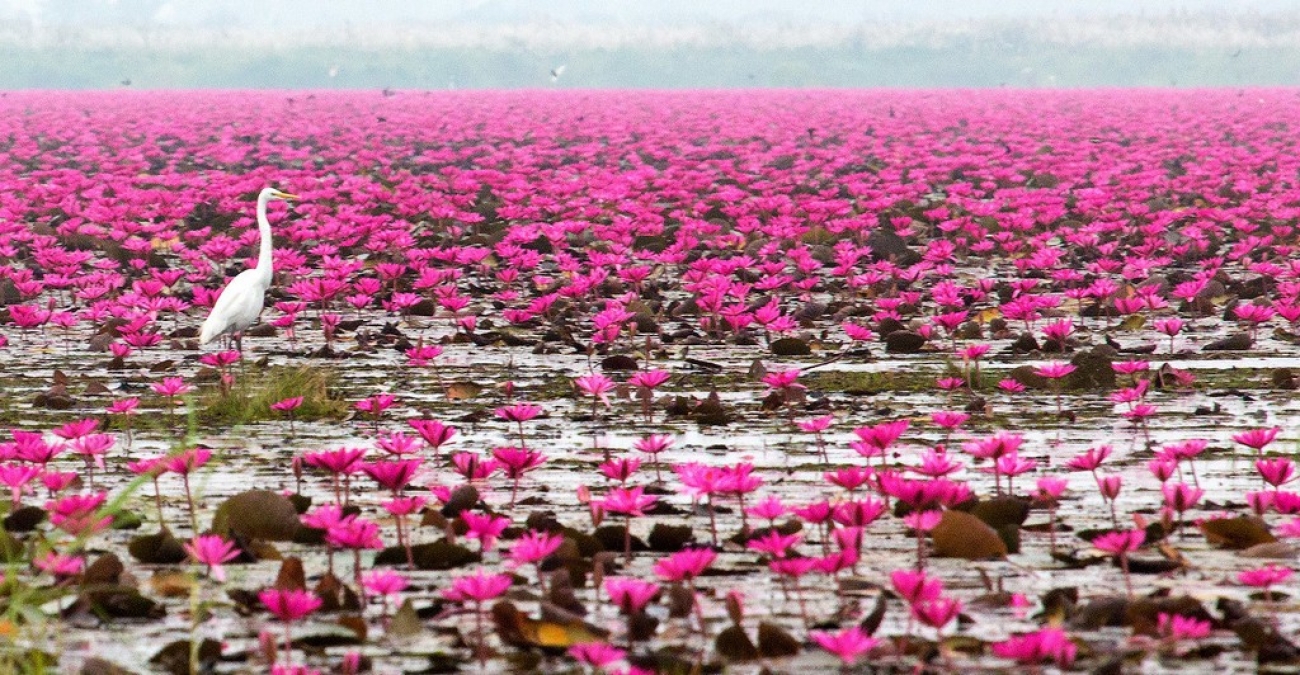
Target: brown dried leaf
point(1236, 533)
point(463, 390)
point(291, 576)
point(961, 535)
point(257, 514)
point(405, 622)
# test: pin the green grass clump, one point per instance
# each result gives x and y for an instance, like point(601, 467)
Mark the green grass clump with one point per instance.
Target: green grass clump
point(254, 391)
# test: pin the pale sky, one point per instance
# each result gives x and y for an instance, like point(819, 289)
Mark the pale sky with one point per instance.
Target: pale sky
point(650, 43)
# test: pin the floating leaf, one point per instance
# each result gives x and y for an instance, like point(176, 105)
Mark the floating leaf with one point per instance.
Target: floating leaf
point(291, 576)
point(1101, 612)
point(438, 555)
point(521, 631)
point(961, 535)
point(790, 346)
point(1142, 614)
point(1236, 533)
point(405, 622)
point(106, 569)
point(774, 642)
point(24, 519)
point(1133, 322)
point(618, 362)
point(463, 390)
point(666, 538)
point(681, 601)
point(462, 498)
point(1237, 342)
point(711, 411)
point(123, 602)
point(733, 644)
point(324, 636)
point(1001, 511)
point(174, 658)
point(1277, 550)
point(357, 624)
point(257, 514)
point(171, 584)
point(904, 342)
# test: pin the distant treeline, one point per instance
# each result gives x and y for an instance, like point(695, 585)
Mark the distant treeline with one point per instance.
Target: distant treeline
point(978, 64)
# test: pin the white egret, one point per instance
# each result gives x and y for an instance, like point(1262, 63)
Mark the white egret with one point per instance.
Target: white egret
point(240, 302)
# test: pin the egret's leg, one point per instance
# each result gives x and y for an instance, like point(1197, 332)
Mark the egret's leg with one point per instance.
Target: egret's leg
point(239, 343)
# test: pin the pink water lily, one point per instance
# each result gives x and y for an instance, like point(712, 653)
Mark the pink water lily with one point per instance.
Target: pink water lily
point(877, 273)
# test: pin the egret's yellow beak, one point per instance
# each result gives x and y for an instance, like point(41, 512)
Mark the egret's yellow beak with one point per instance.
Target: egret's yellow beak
point(286, 195)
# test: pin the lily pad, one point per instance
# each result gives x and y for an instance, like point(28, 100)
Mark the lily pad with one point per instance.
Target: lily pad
point(1237, 533)
point(257, 514)
point(961, 535)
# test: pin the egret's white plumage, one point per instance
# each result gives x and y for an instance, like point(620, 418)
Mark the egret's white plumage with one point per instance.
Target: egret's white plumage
point(240, 302)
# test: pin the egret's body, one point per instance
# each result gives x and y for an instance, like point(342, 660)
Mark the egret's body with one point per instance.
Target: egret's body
point(240, 302)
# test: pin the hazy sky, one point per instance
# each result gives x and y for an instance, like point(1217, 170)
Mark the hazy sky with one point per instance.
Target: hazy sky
point(298, 14)
point(488, 43)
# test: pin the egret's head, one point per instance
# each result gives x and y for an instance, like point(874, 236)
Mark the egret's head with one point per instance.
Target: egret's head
point(277, 194)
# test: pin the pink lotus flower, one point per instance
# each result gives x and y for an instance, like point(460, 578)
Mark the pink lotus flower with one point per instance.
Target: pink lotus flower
point(596, 386)
point(519, 412)
point(79, 515)
point(774, 544)
point(1054, 370)
point(936, 613)
point(478, 587)
point(17, 477)
point(596, 654)
point(1174, 627)
point(384, 582)
point(1265, 577)
point(171, 387)
point(376, 404)
point(629, 594)
point(653, 445)
point(60, 566)
point(619, 468)
point(534, 547)
point(1276, 471)
point(289, 605)
point(1049, 645)
point(287, 405)
point(212, 550)
point(685, 564)
point(629, 501)
point(782, 380)
point(1010, 386)
point(849, 644)
point(649, 379)
point(1119, 544)
point(393, 476)
point(354, 532)
point(1257, 438)
point(434, 432)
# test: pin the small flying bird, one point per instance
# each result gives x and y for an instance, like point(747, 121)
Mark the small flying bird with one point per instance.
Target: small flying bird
point(556, 72)
point(240, 302)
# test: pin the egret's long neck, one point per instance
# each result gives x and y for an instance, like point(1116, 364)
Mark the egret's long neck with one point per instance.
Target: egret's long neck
point(264, 229)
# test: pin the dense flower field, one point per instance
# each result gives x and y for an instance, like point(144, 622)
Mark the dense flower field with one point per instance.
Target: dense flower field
point(651, 382)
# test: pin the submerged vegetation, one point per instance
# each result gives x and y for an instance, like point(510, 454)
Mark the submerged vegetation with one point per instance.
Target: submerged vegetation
point(257, 389)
